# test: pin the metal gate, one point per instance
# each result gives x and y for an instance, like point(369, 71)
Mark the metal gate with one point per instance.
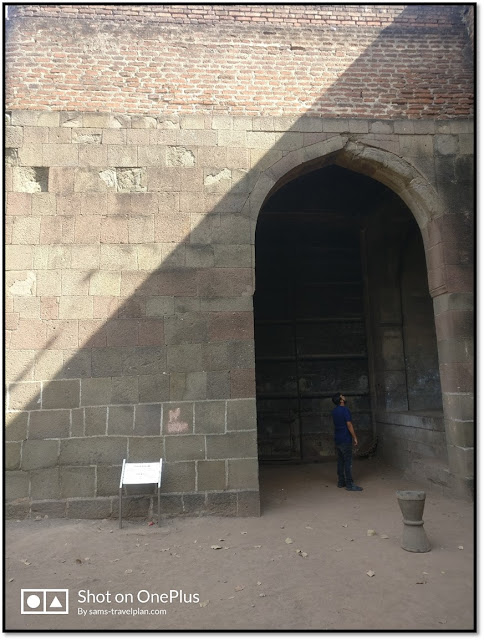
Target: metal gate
point(310, 335)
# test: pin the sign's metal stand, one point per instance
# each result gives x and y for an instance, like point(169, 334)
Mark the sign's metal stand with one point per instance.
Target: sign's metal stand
point(140, 473)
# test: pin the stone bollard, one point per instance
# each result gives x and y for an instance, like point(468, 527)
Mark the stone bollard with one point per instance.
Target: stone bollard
point(412, 504)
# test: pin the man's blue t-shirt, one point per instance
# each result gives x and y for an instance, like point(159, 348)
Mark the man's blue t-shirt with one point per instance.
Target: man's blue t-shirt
point(341, 415)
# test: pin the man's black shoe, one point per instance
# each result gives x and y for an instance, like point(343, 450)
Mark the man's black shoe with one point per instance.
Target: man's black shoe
point(353, 487)
point(341, 485)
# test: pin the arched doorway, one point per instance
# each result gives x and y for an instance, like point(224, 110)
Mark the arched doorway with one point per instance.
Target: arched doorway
point(342, 304)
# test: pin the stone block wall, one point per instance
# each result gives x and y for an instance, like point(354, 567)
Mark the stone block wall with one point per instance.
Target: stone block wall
point(130, 224)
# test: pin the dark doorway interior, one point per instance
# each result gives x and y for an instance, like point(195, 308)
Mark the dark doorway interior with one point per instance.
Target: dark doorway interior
point(313, 314)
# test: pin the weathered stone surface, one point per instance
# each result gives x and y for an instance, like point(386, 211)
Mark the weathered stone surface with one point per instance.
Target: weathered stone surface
point(61, 394)
point(16, 485)
point(24, 396)
point(90, 509)
point(188, 386)
point(147, 420)
point(108, 478)
point(145, 449)
point(178, 477)
point(222, 504)
point(210, 417)
point(94, 450)
point(12, 455)
point(45, 484)
point(223, 446)
point(182, 447)
point(39, 454)
point(243, 474)
point(184, 357)
point(16, 426)
point(121, 420)
point(154, 388)
point(50, 508)
point(211, 475)
point(49, 424)
point(95, 419)
point(77, 482)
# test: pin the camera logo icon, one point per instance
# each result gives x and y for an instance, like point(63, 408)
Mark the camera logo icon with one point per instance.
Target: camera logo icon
point(44, 601)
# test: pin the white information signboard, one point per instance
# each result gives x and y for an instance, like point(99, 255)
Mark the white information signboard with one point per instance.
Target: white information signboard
point(140, 473)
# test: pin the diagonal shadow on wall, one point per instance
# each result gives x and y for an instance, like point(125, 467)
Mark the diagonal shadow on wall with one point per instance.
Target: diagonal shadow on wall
point(184, 330)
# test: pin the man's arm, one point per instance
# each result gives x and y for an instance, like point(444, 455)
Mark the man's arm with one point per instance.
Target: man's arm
point(353, 434)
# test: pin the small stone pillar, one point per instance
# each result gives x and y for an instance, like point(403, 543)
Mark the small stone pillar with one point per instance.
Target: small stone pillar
point(412, 504)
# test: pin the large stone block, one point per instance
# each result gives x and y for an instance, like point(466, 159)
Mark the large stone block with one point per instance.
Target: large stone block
point(77, 423)
point(145, 449)
point(49, 424)
point(232, 444)
point(16, 426)
point(218, 385)
point(77, 364)
point(95, 421)
point(224, 326)
point(188, 386)
point(144, 361)
point(77, 482)
point(49, 508)
point(95, 509)
point(178, 477)
point(12, 455)
point(460, 433)
point(96, 391)
point(107, 362)
point(243, 474)
point(19, 510)
point(94, 450)
point(154, 387)
point(108, 478)
point(39, 454)
point(184, 447)
point(45, 484)
point(211, 475)
point(242, 383)
point(75, 307)
point(147, 420)
point(210, 417)
point(61, 394)
point(187, 328)
point(24, 396)
point(184, 357)
point(16, 485)
point(461, 460)
point(125, 390)
point(241, 415)
point(459, 406)
point(121, 420)
point(60, 155)
point(222, 504)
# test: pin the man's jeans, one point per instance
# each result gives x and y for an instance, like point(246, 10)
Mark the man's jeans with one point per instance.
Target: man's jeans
point(345, 459)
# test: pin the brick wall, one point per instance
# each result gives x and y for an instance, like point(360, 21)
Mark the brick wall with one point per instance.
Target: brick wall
point(383, 61)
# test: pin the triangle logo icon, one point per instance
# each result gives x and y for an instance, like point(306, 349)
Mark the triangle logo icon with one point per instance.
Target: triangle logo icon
point(55, 603)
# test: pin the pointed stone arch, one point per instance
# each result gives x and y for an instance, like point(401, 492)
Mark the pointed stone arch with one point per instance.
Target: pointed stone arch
point(388, 168)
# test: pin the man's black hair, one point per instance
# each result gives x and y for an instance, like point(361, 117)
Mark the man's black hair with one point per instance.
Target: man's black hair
point(336, 398)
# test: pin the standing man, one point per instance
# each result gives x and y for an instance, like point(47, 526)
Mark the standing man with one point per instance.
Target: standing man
point(344, 435)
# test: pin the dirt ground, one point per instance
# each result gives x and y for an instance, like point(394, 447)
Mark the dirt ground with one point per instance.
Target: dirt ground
point(258, 579)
